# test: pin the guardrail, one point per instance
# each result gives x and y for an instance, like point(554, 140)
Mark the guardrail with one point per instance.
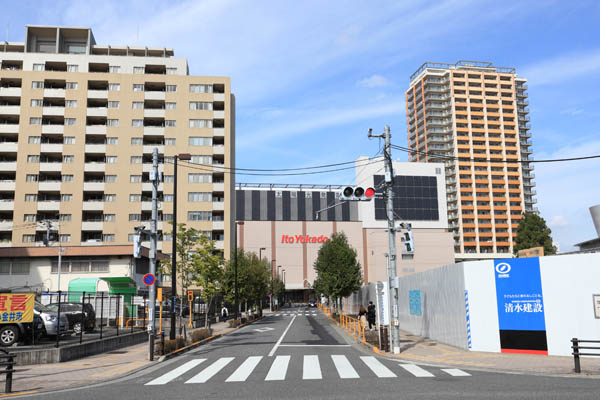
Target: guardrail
point(576, 352)
point(7, 360)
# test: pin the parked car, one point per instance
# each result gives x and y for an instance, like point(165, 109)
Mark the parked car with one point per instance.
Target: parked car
point(79, 315)
point(11, 333)
point(50, 319)
point(312, 303)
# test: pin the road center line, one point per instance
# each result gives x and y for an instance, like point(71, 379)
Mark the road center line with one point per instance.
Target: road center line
point(281, 338)
point(314, 345)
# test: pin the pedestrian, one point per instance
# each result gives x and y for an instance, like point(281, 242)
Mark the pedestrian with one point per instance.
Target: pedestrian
point(224, 313)
point(362, 315)
point(371, 315)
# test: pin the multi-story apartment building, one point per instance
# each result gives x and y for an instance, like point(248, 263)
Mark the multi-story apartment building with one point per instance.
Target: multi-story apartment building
point(473, 116)
point(78, 125)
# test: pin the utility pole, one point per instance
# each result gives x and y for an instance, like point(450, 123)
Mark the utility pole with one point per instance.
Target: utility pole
point(391, 271)
point(60, 249)
point(154, 177)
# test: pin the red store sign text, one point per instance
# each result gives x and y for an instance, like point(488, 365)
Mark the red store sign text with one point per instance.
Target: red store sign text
point(303, 239)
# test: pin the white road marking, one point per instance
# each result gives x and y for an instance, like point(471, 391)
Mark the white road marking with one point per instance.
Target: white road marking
point(377, 367)
point(311, 368)
point(278, 369)
point(277, 315)
point(244, 370)
point(344, 368)
point(456, 372)
point(211, 370)
point(177, 372)
point(265, 329)
point(281, 338)
point(416, 370)
point(314, 345)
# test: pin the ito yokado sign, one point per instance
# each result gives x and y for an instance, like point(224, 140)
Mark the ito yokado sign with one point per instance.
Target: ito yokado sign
point(16, 307)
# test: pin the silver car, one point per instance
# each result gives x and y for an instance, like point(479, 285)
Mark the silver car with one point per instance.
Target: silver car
point(50, 319)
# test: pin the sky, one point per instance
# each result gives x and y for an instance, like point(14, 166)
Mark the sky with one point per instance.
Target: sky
point(311, 77)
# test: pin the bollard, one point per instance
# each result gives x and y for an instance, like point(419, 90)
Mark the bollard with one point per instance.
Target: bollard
point(101, 312)
point(575, 348)
point(9, 373)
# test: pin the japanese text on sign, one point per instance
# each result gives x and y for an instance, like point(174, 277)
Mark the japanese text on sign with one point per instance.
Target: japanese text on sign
point(16, 307)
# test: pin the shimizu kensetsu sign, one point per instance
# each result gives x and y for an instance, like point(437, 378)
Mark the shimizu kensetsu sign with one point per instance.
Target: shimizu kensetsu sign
point(303, 239)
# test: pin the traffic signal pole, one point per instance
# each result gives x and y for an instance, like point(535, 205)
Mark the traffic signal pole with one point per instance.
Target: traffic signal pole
point(153, 247)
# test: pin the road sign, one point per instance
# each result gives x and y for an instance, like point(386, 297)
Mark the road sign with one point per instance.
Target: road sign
point(149, 279)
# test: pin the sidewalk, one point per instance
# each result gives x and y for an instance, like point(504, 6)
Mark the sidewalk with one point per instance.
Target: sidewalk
point(418, 349)
point(89, 370)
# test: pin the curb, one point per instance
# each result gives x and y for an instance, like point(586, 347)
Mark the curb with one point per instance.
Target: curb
point(203, 341)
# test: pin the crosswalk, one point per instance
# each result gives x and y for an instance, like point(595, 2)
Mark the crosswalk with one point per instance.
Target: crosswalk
point(314, 367)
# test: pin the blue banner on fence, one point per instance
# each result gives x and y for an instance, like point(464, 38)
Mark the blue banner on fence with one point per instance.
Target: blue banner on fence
point(519, 294)
point(414, 301)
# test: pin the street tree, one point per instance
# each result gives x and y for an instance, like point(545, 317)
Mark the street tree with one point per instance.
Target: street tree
point(253, 278)
point(533, 232)
point(208, 272)
point(338, 270)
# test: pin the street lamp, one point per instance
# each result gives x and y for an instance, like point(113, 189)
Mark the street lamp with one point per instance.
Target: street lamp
point(235, 257)
point(283, 270)
point(184, 157)
point(260, 252)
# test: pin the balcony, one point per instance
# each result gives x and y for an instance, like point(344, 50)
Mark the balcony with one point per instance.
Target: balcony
point(146, 206)
point(147, 186)
point(8, 166)
point(219, 132)
point(51, 148)
point(528, 184)
point(219, 114)
point(93, 186)
point(49, 185)
point(218, 225)
point(149, 149)
point(218, 96)
point(9, 147)
point(91, 225)
point(95, 148)
point(54, 92)
point(53, 111)
point(97, 94)
point(6, 225)
point(218, 187)
point(9, 128)
point(10, 91)
point(94, 167)
point(92, 206)
point(154, 95)
point(50, 166)
point(8, 185)
point(53, 129)
point(218, 149)
point(97, 112)
point(7, 205)
point(154, 131)
point(10, 110)
point(154, 113)
point(218, 205)
point(52, 205)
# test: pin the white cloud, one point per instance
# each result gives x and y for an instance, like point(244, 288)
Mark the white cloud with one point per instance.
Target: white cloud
point(373, 82)
point(563, 68)
point(558, 221)
point(573, 111)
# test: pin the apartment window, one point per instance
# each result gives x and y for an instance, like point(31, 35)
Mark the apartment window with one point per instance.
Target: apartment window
point(33, 159)
point(35, 121)
point(30, 217)
point(66, 197)
point(71, 85)
point(64, 217)
point(69, 140)
point(70, 103)
point(138, 87)
point(195, 197)
point(70, 121)
point(138, 70)
point(112, 140)
point(137, 105)
point(135, 198)
point(168, 237)
point(201, 105)
point(136, 159)
point(38, 67)
point(201, 88)
point(37, 102)
point(110, 198)
point(168, 178)
point(111, 159)
point(170, 106)
point(201, 123)
point(114, 69)
point(72, 68)
point(115, 87)
point(108, 237)
point(201, 160)
point(171, 71)
point(170, 88)
point(200, 141)
point(199, 216)
point(110, 178)
point(135, 217)
point(137, 122)
point(28, 238)
point(37, 85)
point(31, 178)
point(168, 198)
point(67, 178)
point(68, 158)
point(170, 142)
point(167, 217)
point(112, 122)
point(64, 238)
point(137, 141)
point(199, 178)
point(114, 104)
point(169, 160)
point(110, 217)
point(135, 178)
point(170, 123)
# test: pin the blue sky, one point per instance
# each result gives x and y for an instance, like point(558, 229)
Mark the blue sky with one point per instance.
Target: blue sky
point(311, 77)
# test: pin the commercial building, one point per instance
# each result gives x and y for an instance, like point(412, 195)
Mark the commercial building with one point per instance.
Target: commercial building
point(473, 117)
point(287, 224)
point(592, 245)
point(78, 124)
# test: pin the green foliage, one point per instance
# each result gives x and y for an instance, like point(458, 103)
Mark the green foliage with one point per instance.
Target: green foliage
point(533, 232)
point(338, 270)
point(200, 334)
point(254, 277)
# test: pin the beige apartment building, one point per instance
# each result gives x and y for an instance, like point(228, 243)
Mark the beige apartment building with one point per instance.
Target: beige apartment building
point(473, 117)
point(78, 124)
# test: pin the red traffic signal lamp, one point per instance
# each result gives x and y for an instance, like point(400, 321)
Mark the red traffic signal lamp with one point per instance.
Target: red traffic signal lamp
point(357, 193)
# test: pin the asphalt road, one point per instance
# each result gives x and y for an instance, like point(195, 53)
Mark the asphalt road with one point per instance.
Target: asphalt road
point(298, 354)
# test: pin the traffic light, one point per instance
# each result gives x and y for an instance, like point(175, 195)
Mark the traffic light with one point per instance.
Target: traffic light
point(409, 244)
point(137, 246)
point(357, 193)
